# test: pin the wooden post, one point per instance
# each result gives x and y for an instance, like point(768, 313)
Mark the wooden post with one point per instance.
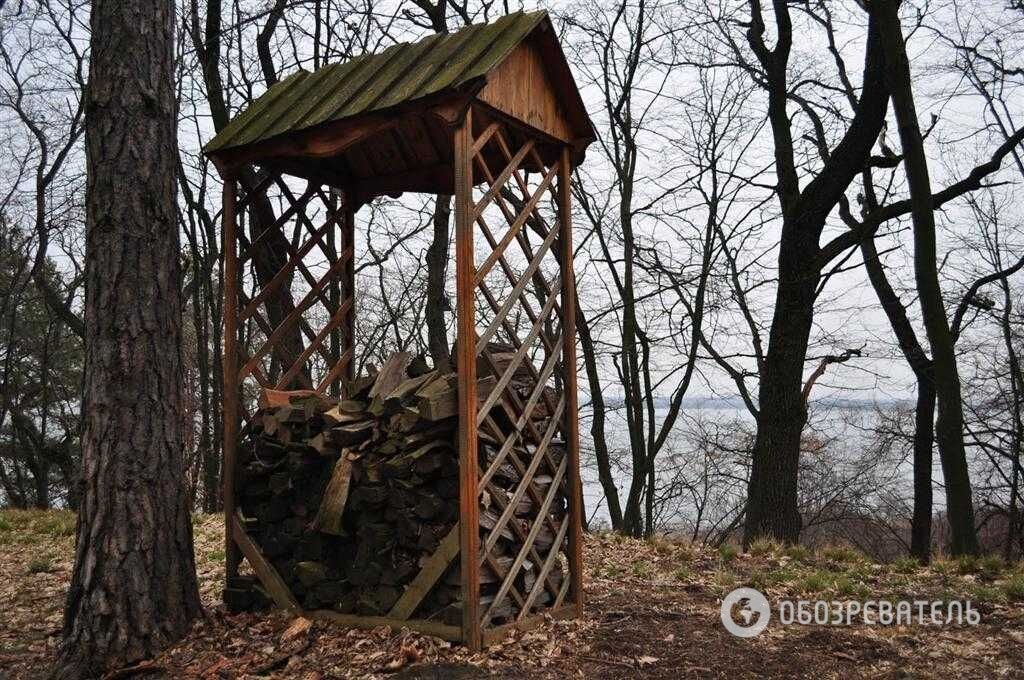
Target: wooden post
point(572, 428)
point(465, 273)
point(334, 288)
point(348, 283)
point(229, 247)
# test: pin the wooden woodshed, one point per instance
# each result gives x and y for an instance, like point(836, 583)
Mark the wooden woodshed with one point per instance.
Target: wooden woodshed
point(491, 115)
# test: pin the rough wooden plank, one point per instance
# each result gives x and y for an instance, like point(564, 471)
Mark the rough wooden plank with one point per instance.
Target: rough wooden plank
point(498, 633)
point(230, 362)
point(441, 630)
point(572, 428)
point(431, 571)
point(268, 576)
point(332, 506)
point(270, 398)
point(465, 264)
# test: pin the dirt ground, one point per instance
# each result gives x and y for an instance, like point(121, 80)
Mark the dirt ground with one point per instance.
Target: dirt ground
point(652, 611)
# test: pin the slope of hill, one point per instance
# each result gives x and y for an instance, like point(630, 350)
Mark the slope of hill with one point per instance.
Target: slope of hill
point(653, 611)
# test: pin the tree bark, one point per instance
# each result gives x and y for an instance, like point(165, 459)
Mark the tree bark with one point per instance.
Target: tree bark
point(924, 410)
point(772, 489)
point(133, 590)
point(772, 503)
point(598, 419)
point(949, 426)
point(437, 267)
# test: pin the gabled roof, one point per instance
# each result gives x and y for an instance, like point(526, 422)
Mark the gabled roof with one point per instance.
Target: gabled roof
point(455, 62)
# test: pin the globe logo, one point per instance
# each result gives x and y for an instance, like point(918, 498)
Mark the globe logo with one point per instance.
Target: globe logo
point(745, 612)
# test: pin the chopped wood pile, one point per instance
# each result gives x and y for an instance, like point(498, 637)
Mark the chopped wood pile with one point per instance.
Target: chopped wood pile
point(351, 499)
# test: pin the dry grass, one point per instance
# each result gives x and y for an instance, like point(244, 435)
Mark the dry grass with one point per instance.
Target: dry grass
point(652, 612)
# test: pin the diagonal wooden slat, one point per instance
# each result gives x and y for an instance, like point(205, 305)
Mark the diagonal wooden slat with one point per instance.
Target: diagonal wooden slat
point(516, 227)
point(341, 365)
point(283, 274)
point(281, 353)
point(305, 222)
point(266, 573)
point(315, 344)
point(500, 180)
point(532, 217)
point(545, 570)
point(516, 435)
point(524, 483)
point(510, 329)
point(259, 190)
point(296, 206)
point(484, 137)
point(492, 328)
point(528, 542)
point(497, 497)
point(561, 593)
point(431, 571)
point(516, 361)
point(510, 216)
point(537, 222)
point(289, 321)
point(507, 153)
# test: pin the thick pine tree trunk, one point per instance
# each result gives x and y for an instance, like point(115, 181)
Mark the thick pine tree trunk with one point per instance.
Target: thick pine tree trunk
point(134, 589)
point(949, 425)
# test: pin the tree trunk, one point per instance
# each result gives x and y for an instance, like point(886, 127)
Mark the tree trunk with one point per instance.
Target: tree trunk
point(1005, 322)
point(772, 508)
point(924, 412)
point(924, 440)
point(437, 299)
point(133, 590)
point(597, 424)
point(772, 488)
point(949, 426)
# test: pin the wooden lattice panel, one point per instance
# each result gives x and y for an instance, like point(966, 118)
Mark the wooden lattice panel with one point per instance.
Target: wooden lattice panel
point(524, 427)
point(296, 324)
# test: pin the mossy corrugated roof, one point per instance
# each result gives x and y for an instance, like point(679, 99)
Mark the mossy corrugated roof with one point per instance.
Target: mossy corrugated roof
point(372, 82)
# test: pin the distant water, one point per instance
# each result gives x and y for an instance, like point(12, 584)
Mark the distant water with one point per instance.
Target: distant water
point(847, 426)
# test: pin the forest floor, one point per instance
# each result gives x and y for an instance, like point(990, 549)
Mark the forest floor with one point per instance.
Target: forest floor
point(652, 611)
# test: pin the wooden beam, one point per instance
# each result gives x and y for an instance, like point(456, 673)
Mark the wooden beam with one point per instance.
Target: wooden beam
point(432, 570)
point(334, 289)
point(572, 423)
point(320, 142)
point(441, 630)
point(465, 264)
point(498, 633)
point(268, 576)
point(430, 179)
point(348, 281)
point(229, 247)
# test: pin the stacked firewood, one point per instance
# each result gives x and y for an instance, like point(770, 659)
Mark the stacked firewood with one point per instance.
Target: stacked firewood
point(349, 498)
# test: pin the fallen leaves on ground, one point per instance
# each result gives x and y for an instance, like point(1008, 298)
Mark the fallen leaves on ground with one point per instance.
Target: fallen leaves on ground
point(652, 611)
